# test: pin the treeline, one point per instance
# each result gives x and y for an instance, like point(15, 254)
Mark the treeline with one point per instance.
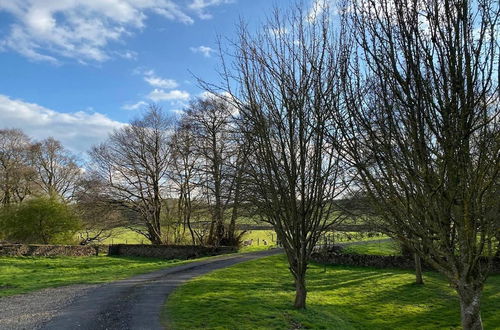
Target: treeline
point(37, 179)
point(173, 179)
point(173, 172)
point(35, 167)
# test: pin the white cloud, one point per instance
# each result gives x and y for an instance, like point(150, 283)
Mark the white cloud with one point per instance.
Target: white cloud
point(173, 12)
point(200, 6)
point(163, 91)
point(205, 50)
point(78, 130)
point(128, 54)
point(135, 106)
point(173, 95)
point(317, 9)
point(151, 78)
point(46, 30)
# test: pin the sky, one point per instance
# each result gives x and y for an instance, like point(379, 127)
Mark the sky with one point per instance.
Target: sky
point(77, 69)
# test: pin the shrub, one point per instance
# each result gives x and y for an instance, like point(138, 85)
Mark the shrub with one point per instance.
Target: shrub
point(40, 220)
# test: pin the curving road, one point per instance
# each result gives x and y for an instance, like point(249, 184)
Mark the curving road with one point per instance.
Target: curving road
point(135, 303)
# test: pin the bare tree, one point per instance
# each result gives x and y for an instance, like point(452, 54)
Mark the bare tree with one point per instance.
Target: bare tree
point(184, 172)
point(134, 163)
point(211, 119)
point(239, 191)
point(288, 79)
point(423, 130)
point(16, 175)
point(57, 169)
point(100, 214)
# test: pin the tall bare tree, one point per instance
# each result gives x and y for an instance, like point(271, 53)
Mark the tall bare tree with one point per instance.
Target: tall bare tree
point(423, 130)
point(134, 163)
point(57, 169)
point(16, 174)
point(288, 79)
point(184, 172)
point(211, 120)
point(239, 190)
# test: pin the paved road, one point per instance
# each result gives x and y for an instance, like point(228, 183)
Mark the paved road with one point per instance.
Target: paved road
point(136, 303)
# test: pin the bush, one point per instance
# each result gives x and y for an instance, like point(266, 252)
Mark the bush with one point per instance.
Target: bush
point(40, 220)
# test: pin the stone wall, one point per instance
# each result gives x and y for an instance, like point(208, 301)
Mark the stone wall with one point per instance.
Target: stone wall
point(18, 250)
point(167, 251)
point(364, 260)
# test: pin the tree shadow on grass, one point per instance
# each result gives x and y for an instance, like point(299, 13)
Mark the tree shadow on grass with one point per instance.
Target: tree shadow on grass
point(399, 305)
point(259, 295)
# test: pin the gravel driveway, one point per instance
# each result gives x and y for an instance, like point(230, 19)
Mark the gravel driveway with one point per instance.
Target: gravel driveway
point(31, 310)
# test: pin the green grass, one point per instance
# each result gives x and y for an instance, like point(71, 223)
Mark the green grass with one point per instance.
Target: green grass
point(346, 237)
point(24, 274)
point(259, 295)
point(258, 237)
point(379, 249)
point(126, 236)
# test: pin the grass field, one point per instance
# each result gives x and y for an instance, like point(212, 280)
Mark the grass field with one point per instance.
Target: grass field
point(269, 236)
point(345, 237)
point(259, 295)
point(261, 240)
point(23, 274)
point(126, 236)
point(379, 248)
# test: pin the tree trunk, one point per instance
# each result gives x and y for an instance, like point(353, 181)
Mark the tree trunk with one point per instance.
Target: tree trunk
point(154, 231)
point(210, 239)
point(470, 301)
point(234, 216)
point(300, 292)
point(153, 237)
point(418, 270)
point(236, 199)
point(6, 196)
point(191, 231)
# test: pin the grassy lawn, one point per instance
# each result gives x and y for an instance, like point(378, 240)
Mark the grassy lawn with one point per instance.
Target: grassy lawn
point(346, 237)
point(379, 249)
point(258, 237)
point(126, 236)
point(23, 274)
point(259, 295)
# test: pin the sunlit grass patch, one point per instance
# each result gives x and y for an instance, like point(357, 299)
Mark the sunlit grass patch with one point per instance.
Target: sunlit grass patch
point(23, 274)
point(376, 248)
point(259, 295)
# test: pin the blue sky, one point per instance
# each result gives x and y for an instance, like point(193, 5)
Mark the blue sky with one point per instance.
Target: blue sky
point(76, 69)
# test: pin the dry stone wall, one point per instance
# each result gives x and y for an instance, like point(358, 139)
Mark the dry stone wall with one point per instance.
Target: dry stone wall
point(18, 250)
point(365, 260)
point(167, 251)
